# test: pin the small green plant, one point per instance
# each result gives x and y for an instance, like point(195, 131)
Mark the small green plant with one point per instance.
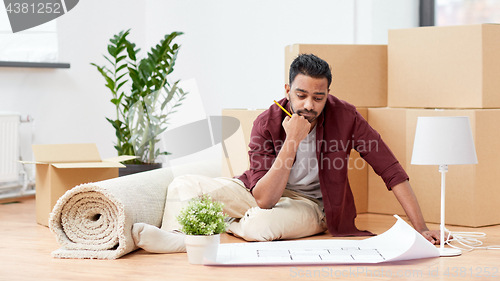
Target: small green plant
point(202, 216)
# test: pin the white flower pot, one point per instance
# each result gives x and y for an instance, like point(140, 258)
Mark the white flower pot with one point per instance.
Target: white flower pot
point(201, 247)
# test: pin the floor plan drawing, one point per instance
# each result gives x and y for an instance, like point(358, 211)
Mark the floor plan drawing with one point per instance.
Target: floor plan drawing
point(400, 242)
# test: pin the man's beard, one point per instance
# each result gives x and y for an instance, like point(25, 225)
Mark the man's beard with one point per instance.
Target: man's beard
point(302, 111)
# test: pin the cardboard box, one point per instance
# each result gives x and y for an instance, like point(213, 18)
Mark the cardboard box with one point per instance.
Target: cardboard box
point(359, 72)
point(444, 67)
point(60, 167)
point(391, 125)
point(238, 162)
point(358, 175)
point(471, 191)
point(237, 145)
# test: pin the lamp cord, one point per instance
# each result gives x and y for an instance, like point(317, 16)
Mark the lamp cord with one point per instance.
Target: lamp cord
point(469, 240)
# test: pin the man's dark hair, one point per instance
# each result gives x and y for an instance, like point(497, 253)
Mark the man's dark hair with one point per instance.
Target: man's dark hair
point(310, 65)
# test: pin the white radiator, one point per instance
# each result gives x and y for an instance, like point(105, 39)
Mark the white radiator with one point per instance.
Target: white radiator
point(9, 146)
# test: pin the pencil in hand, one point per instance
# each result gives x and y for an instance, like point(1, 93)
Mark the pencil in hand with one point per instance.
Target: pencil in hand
point(283, 108)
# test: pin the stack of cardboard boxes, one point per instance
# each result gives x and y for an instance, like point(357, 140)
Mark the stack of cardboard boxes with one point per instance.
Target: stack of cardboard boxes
point(443, 71)
point(427, 71)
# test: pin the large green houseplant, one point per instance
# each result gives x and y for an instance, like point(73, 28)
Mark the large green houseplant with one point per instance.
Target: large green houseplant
point(142, 94)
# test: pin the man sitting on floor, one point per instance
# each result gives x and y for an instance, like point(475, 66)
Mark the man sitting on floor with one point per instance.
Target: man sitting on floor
point(297, 184)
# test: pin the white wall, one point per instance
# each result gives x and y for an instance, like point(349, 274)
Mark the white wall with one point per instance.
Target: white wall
point(234, 50)
point(69, 105)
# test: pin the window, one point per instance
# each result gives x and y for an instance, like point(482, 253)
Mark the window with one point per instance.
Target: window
point(458, 12)
point(37, 44)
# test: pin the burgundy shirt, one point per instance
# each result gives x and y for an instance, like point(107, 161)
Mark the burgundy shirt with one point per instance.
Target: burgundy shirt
point(340, 128)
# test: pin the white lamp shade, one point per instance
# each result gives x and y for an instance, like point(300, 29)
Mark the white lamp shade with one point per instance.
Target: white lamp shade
point(443, 141)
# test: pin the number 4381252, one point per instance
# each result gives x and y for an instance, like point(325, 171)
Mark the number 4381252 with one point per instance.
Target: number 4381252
point(471, 272)
point(34, 8)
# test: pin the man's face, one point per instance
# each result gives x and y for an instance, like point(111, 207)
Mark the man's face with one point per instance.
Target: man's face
point(307, 96)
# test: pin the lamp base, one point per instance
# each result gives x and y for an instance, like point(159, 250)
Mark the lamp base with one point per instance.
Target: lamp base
point(447, 252)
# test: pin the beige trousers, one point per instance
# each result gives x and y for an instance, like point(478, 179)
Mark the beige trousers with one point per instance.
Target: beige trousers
point(294, 215)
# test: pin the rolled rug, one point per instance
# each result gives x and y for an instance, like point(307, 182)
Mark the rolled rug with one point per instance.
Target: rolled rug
point(95, 220)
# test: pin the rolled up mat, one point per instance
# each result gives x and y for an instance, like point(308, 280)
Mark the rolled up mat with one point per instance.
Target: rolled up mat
point(95, 220)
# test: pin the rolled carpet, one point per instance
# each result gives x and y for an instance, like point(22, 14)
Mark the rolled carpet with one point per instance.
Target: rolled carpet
point(95, 220)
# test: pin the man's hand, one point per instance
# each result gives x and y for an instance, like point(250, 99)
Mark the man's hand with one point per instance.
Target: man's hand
point(432, 236)
point(296, 128)
point(406, 197)
point(270, 187)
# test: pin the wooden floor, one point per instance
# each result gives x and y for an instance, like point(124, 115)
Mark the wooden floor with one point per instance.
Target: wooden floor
point(25, 249)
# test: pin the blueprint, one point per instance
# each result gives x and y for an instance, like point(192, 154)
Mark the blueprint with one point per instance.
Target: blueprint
point(400, 242)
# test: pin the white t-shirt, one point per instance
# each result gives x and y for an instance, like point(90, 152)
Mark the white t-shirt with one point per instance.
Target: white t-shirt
point(304, 177)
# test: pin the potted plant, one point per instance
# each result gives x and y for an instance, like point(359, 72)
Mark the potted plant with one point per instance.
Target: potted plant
point(202, 220)
point(142, 95)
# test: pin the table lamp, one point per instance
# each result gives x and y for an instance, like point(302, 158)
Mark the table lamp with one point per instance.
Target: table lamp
point(443, 141)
